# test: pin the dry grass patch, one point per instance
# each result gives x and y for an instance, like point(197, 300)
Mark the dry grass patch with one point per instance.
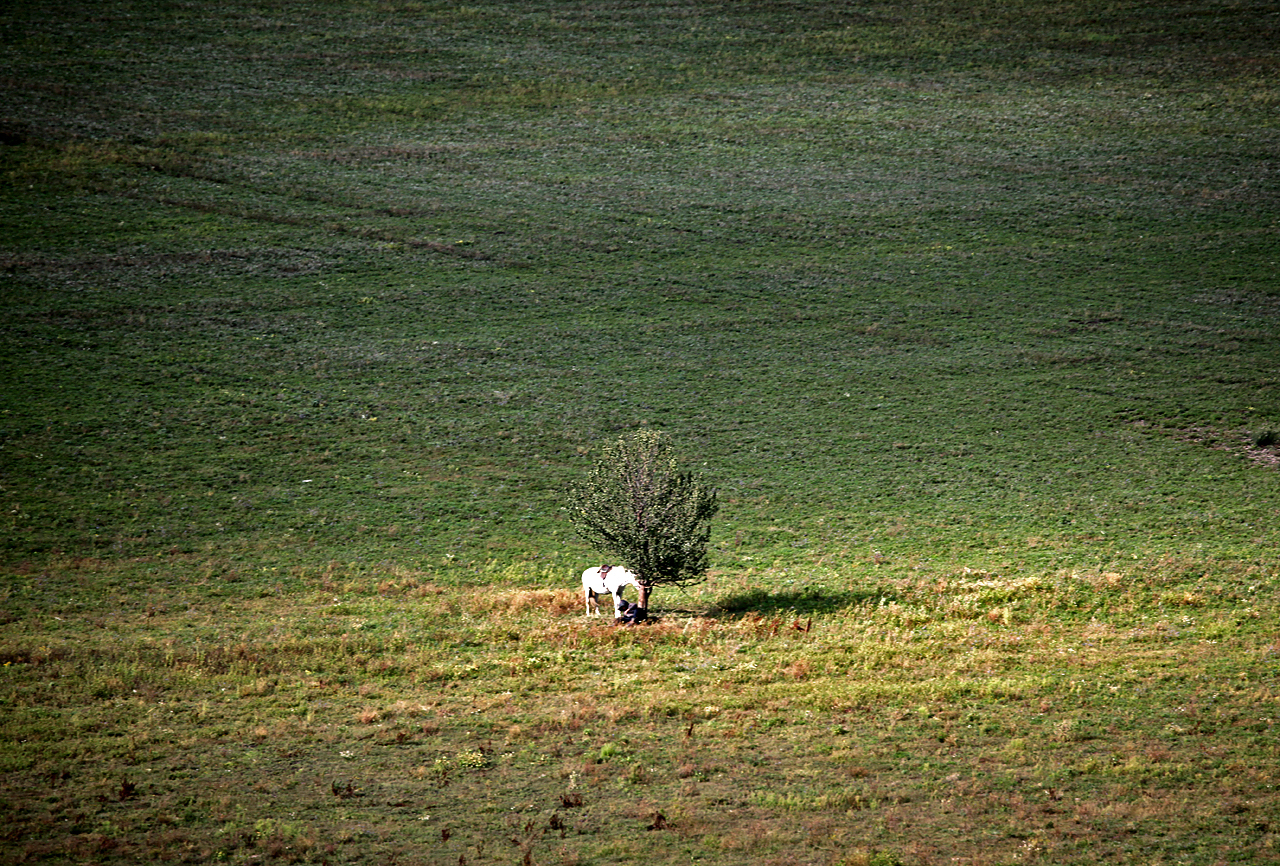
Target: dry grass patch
point(610, 727)
point(557, 602)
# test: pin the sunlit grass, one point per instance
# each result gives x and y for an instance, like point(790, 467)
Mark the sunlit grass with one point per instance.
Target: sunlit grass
point(1069, 693)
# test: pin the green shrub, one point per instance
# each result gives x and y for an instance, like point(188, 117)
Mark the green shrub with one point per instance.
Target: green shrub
point(635, 506)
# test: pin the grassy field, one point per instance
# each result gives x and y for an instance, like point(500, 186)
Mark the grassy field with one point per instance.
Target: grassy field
point(311, 310)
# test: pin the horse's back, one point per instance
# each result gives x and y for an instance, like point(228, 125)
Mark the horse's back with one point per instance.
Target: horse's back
point(608, 581)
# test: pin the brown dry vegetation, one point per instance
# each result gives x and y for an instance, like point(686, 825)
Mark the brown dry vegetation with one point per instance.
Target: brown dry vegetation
point(915, 726)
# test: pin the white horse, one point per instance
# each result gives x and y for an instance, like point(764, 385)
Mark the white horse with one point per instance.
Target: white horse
point(606, 580)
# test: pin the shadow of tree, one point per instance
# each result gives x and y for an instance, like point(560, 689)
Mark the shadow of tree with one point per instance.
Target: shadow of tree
point(807, 600)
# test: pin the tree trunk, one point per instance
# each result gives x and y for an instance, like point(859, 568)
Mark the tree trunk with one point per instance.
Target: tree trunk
point(643, 600)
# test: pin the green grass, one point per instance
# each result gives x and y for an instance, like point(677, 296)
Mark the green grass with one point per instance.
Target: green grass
point(311, 310)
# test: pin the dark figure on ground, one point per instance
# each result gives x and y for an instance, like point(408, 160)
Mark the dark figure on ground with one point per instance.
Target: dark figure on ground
point(629, 613)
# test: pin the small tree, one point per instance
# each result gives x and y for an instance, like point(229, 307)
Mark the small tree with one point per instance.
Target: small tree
point(637, 508)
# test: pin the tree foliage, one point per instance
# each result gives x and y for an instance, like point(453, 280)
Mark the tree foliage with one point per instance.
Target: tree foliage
point(638, 509)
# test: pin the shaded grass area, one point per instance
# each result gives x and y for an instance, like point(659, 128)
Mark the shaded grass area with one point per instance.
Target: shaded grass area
point(311, 309)
point(273, 414)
